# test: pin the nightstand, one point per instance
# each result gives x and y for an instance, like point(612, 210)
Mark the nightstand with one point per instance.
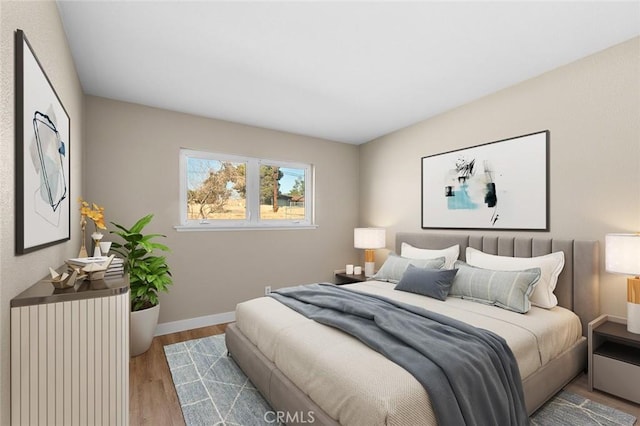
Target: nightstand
point(344, 278)
point(614, 358)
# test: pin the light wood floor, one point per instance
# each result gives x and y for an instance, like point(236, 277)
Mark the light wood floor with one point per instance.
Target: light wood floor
point(153, 399)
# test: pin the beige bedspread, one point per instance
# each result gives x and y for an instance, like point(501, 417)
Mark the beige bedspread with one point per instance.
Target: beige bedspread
point(356, 385)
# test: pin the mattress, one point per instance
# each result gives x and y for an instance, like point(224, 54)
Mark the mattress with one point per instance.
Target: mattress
point(358, 386)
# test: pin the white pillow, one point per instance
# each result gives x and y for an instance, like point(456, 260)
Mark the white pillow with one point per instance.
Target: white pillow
point(450, 254)
point(550, 267)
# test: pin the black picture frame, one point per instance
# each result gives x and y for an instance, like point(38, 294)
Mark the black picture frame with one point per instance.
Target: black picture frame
point(501, 185)
point(42, 155)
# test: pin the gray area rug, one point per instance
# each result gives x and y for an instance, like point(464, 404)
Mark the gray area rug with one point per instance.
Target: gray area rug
point(214, 391)
point(569, 409)
point(211, 388)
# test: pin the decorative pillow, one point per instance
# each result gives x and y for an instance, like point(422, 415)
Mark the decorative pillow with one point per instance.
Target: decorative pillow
point(394, 267)
point(433, 283)
point(506, 289)
point(550, 267)
point(450, 254)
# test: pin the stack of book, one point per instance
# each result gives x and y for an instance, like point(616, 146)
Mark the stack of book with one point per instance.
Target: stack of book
point(115, 269)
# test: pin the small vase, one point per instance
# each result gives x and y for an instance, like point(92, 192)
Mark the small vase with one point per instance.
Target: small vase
point(105, 246)
point(96, 237)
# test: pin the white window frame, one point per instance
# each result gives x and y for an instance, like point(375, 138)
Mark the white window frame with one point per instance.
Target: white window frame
point(252, 177)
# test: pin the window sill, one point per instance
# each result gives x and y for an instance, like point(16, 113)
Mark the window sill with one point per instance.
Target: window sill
point(196, 228)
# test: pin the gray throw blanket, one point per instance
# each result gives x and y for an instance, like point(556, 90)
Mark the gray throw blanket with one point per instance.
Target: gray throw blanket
point(470, 374)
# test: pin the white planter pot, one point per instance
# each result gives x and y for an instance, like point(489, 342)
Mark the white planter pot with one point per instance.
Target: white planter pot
point(142, 328)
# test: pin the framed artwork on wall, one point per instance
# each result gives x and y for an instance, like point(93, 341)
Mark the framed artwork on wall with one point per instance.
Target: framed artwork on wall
point(42, 129)
point(501, 185)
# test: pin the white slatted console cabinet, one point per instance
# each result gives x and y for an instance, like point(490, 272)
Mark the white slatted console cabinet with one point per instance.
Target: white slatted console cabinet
point(70, 354)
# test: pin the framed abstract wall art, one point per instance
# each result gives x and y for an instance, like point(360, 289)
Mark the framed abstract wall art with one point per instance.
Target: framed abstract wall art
point(42, 155)
point(502, 185)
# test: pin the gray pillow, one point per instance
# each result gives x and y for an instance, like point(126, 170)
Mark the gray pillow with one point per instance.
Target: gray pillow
point(433, 283)
point(394, 267)
point(506, 289)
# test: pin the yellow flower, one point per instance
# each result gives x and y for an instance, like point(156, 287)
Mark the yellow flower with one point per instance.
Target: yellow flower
point(93, 212)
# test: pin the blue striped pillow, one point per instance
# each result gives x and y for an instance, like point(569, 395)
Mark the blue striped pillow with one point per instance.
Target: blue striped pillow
point(506, 289)
point(393, 268)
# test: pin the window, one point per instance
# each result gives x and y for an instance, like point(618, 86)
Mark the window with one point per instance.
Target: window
point(219, 191)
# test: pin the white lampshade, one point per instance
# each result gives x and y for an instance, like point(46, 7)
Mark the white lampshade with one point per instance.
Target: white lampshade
point(622, 253)
point(369, 238)
point(623, 257)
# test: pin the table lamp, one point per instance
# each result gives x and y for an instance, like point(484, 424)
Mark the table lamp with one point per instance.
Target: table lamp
point(369, 239)
point(623, 257)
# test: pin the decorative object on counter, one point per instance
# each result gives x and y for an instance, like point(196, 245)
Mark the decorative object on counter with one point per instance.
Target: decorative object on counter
point(96, 214)
point(83, 247)
point(84, 261)
point(148, 274)
point(622, 256)
point(96, 237)
point(357, 270)
point(42, 148)
point(115, 269)
point(369, 239)
point(96, 271)
point(349, 269)
point(105, 246)
point(77, 269)
point(64, 280)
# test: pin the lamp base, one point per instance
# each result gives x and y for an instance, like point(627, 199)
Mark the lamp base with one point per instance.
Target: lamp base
point(369, 269)
point(633, 305)
point(369, 262)
point(633, 318)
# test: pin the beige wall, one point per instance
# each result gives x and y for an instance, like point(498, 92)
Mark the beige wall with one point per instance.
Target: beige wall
point(132, 169)
point(41, 24)
point(591, 107)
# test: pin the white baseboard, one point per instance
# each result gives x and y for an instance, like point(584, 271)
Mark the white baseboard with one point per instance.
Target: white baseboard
point(190, 324)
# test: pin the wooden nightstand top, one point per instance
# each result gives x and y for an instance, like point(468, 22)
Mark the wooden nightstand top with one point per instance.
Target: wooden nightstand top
point(617, 331)
point(344, 278)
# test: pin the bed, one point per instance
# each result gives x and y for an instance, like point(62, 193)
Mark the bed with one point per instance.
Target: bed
point(303, 367)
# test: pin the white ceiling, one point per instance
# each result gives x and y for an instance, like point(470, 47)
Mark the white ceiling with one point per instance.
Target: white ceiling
point(344, 71)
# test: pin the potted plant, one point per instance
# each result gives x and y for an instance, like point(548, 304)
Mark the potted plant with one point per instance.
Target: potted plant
point(148, 275)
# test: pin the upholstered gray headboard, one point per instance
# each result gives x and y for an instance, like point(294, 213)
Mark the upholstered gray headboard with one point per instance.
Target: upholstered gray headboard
point(578, 287)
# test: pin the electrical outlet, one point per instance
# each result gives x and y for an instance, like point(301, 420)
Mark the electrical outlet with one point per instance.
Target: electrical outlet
point(267, 290)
